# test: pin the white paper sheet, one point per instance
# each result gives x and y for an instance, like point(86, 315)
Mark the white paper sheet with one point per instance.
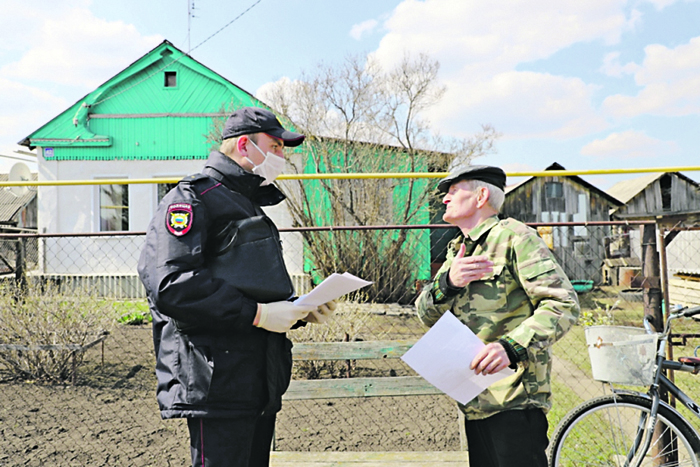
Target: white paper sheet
point(443, 355)
point(334, 286)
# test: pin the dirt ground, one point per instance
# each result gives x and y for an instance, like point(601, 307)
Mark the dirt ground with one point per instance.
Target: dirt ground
point(110, 417)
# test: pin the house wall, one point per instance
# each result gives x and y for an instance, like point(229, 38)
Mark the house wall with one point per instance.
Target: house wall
point(579, 250)
point(75, 209)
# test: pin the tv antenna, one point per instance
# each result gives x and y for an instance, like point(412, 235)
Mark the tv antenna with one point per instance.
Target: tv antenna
point(19, 173)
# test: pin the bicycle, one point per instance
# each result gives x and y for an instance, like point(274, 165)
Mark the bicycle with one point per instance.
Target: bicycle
point(633, 429)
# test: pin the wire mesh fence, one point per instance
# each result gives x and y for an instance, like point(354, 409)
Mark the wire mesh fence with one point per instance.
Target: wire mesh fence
point(103, 410)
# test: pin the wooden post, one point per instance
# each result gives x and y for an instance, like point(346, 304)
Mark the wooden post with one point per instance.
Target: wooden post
point(652, 307)
point(651, 282)
point(20, 278)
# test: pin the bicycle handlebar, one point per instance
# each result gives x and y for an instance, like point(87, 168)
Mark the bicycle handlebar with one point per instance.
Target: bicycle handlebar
point(688, 312)
point(679, 313)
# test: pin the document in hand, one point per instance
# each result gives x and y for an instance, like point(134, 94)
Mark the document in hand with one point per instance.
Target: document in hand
point(443, 355)
point(334, 286)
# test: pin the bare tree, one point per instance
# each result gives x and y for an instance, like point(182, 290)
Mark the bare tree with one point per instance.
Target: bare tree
point(362, 119)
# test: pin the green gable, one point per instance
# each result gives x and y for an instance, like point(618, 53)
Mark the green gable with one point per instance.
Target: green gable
point(160, 107)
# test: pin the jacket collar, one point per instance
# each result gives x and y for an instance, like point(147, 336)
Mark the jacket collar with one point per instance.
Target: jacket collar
point(484, 227)
point(235, 178)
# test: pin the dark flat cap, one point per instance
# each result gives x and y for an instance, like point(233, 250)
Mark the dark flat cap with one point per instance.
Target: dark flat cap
point(493, 175)
point(250, 120)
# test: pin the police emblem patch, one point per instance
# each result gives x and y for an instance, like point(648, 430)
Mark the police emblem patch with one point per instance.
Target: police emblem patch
point(179, 219)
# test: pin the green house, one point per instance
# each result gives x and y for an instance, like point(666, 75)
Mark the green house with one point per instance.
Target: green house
point(155, 119)
point(149, 121)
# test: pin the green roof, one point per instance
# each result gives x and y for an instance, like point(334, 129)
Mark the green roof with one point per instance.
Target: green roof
point(160, 107)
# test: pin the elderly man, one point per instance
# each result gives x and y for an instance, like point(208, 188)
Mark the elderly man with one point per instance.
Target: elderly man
point(502, 281)
point(221, 310)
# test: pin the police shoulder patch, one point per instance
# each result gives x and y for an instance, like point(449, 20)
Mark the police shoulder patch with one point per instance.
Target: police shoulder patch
point(179, 219)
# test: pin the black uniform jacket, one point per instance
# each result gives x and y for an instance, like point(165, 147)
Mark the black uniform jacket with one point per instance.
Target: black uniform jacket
point(210, 359)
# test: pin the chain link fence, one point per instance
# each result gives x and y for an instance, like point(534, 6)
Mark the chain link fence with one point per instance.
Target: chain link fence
point(102, 411)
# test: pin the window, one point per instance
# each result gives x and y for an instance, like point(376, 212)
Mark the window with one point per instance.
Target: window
point(553, 190)
point(170, 79)
point(114, 208)
point(163, 189)
point(553, 200)
point(666, 189)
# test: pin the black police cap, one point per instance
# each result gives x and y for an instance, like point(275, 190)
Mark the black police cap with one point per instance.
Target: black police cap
point(493, 175)
point(250, 120)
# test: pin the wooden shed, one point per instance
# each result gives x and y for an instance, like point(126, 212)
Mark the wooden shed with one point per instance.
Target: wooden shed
point(672, 200)
point(656, 194)
point(579, 249)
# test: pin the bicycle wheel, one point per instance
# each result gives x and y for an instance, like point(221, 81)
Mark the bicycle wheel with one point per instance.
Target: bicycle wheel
point(602, 431)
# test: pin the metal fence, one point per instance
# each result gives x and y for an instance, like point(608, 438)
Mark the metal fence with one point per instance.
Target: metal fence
point(104, 412)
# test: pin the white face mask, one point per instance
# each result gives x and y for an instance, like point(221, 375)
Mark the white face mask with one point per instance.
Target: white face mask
point(270, 168)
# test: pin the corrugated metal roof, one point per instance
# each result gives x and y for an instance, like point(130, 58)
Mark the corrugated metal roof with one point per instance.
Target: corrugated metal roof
point(11, 204)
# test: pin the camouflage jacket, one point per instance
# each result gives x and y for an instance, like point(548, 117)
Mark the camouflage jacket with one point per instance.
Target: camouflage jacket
point(527, 301)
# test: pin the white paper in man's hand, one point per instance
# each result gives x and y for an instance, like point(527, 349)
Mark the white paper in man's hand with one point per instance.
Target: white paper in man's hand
point(334, 286)
point(443, 355)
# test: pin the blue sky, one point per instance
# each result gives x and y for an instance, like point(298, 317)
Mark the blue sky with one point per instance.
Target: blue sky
point(601, 84)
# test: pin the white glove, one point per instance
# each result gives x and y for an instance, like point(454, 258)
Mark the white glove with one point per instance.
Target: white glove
point(322, 314)
point(281, 316)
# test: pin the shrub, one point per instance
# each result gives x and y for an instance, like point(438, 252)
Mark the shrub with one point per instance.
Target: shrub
point(48, 329)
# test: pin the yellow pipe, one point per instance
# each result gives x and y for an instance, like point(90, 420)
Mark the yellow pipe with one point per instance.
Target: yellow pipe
point(355, 176)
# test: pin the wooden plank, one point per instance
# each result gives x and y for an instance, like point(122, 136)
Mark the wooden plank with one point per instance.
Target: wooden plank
point(684, 292)
point(369, 459)
point(359, 387)
point(363, 350)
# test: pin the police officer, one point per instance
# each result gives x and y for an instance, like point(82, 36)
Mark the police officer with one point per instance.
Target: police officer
point(223, 360)
point(502, 281)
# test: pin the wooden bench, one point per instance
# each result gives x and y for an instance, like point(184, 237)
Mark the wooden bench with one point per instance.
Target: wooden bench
point(361, 387)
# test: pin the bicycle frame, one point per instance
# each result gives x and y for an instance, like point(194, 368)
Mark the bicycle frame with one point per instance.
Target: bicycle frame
point(646, 424)
point(674, 390)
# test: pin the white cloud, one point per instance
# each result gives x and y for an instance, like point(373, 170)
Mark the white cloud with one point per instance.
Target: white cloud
point(21, 104)
point(55, 49)
point(612, 67)
point(671, 83)
point(21, 22)
point(73, 47)
point(520, 104)
point(490, 36)
point(629, 144)
point(480, 44)
point(365, 27)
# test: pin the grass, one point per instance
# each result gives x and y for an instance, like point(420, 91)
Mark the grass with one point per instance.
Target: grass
point(133, 312)
point(602, 306)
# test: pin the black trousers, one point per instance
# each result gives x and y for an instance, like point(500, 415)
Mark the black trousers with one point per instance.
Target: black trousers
point(514, 438)
point(231, 442)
